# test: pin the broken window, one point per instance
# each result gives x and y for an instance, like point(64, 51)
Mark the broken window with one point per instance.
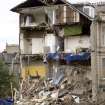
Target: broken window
point(59, 14)
point(70, 15)
point(27, 19)
point(86, 10)
point(22, 19)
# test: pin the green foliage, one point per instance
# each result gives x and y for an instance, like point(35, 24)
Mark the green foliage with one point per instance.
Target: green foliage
point(6, 80)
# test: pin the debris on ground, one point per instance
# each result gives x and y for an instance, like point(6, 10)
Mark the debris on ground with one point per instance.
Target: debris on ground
point(62, 90)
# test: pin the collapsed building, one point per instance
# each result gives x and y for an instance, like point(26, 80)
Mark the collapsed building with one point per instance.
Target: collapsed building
point(44, 29)
point(55, 40)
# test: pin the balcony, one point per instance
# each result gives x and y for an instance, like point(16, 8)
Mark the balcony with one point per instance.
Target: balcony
point(27, 21)
point(32, 21)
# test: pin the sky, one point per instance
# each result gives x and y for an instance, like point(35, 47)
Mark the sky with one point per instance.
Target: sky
point(9, 23)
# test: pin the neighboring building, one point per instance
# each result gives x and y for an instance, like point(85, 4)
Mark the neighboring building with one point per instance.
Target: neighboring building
point(12, 62)
point(10, 56)
point(12, 48)
point(99, 6)
point(98, 53)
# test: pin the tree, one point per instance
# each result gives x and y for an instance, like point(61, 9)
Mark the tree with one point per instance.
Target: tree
point(6, 80)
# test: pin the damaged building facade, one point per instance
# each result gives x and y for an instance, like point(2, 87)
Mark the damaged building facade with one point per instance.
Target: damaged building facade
point(37, 36)
point(45, 29)
point(56, 35)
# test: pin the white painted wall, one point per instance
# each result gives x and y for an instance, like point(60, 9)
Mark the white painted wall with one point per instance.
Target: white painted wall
point(37, 45)
point(73, 42)
point(25, 45)
point(51, 41)
point(31, 46)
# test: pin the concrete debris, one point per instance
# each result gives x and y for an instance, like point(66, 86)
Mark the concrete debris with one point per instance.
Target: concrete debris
point(76, 98)
point(69, 91)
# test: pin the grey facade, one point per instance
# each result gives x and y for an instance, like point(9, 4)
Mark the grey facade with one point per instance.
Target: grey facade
point(98, 55)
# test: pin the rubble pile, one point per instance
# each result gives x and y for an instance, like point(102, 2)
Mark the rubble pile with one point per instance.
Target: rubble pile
point(72, 87)
point(80, 81)
point(40, 92)
point(30, 88)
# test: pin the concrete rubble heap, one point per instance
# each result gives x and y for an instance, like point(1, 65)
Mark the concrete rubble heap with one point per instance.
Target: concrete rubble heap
point(39, 91)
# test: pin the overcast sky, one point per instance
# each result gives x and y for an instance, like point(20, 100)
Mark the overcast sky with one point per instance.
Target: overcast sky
point(9, 21)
